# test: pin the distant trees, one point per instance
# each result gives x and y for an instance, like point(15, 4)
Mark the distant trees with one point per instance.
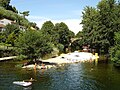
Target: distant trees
point(78, 43)
point(59, 34)
point(47, 28)
point(25, 13)
point(64, 34)
point(79, 35)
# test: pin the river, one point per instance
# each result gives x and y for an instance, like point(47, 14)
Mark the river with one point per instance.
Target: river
point(75, 76)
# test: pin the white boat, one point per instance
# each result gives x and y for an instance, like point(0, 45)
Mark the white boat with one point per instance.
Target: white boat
point(22, 83)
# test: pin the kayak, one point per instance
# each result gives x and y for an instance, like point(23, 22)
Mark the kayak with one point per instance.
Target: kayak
point(22, 83)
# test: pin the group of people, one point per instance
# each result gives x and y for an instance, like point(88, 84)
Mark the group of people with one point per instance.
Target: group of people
point(42, 66)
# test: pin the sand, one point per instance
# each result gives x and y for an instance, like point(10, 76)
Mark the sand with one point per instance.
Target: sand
point(72, 57)
point(66, 58)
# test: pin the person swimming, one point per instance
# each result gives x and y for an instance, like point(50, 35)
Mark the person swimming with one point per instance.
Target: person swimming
point(43, 66)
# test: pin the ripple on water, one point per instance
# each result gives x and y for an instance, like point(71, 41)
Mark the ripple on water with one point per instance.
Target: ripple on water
point(76, 76)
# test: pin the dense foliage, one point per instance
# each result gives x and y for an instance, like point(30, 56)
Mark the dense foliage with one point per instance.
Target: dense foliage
point(13, 16)
point(99, 25)
point(6, 4)
point(11, 33)
point(115, 51)
point(64, 34)
point(33, 44)
point(60, 34)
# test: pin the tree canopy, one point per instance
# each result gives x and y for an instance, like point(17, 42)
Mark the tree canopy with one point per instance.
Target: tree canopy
point(115, 50)
point(33, 44)
point(59, 34)
point(64, 34)
point(25, 13)
point(4, 3)
point(99, 25)
point(11, 33)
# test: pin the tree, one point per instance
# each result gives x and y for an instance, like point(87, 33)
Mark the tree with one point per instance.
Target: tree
point(11, 8)
point(13, 16)
point(11, 33)
point(34, 25)
point(77, 45)
point(99, 25)
point(90, 27)
point(64, 35)
point(115, 50)
point(47, 27)
point(107, 18)
point(25, 13)
point(33, 44)
point(59, 34)
point(79, 34)
point(4, 3)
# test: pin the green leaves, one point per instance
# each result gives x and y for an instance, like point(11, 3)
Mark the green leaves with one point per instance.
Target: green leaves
point(33, 44)
point(10, 33)
point(4, 3)
point(58, 34)
point(115, 50)
point(99, 24)
point(64, 34)
point(25, 13)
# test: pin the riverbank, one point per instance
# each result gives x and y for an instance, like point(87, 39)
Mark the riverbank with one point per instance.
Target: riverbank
point(8, 58)
point(72, 57)
point(65, 58)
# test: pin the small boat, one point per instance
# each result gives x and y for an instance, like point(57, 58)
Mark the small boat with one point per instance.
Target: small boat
point(22, 83)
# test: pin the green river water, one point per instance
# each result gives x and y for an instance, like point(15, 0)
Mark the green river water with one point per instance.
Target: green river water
point(75, 76)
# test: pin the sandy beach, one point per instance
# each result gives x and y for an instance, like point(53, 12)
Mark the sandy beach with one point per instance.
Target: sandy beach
point(66, 58)
point(72, 57)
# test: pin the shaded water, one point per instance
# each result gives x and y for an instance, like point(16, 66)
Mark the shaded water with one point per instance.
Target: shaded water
point(77, 76)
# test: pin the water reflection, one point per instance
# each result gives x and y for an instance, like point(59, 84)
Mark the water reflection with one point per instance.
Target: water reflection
point(76, 76)
point(16, 87)
point(27, 88)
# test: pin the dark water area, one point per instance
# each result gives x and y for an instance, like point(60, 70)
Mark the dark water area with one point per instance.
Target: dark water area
point(75, 76)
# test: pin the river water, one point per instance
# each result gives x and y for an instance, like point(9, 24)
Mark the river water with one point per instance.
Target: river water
point(75, 76)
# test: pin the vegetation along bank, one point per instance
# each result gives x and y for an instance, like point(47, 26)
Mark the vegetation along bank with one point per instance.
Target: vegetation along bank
point(101, 33)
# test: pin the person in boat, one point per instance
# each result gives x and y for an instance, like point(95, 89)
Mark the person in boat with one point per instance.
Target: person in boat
point(31, 79)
